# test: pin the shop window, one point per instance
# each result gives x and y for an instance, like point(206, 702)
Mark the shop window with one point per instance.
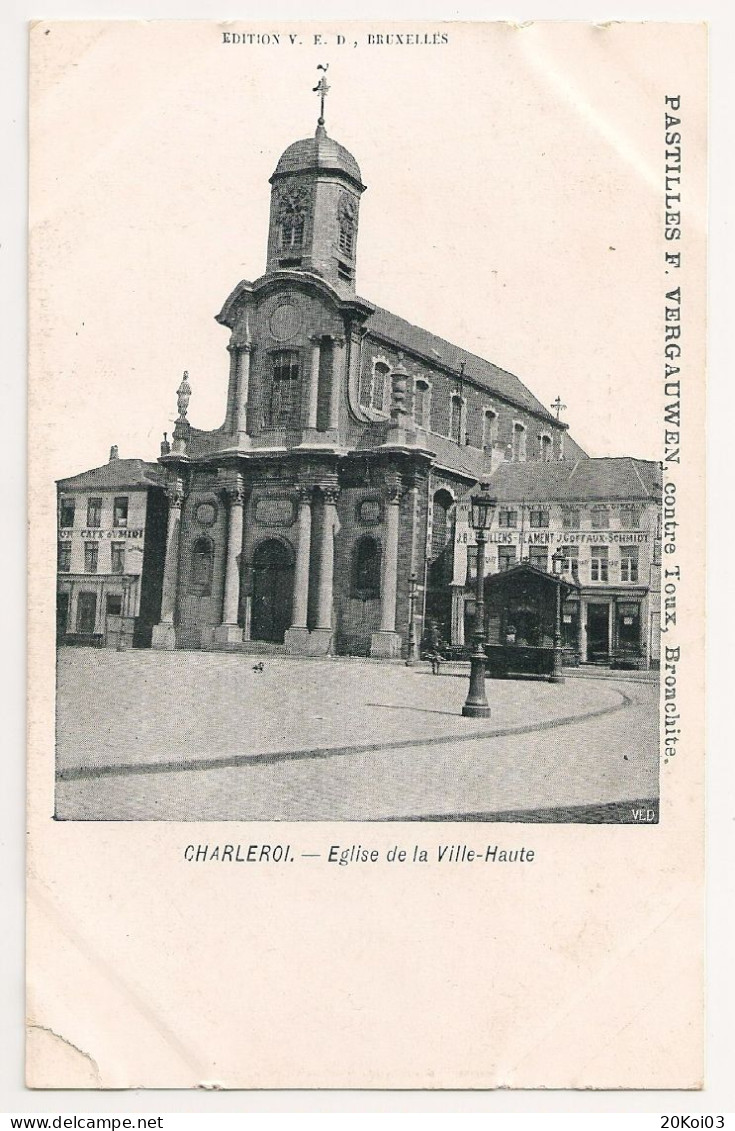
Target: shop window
point(66, 516)
point(94, 513)
point(91, 556)
point(366, 569)
point(570, 625)
point(599, 564)
point(63, 559)
point(283, 407)
point(202, 565)
point(538, 556)
point(421, 394)
point(117, 557)
point(629, 563)
point(120, 511)
point(455, 420)
point(519, 442)
point(630, 518)
point(113, 605)
point(545, 448)
point(508, 518)
point(570, 518)
point(628, 627)
point(489, 429)
point(539, 518)
point(600, 518)
point(506, 558)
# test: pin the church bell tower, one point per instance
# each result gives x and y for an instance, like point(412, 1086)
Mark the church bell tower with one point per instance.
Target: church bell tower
point(315, 201)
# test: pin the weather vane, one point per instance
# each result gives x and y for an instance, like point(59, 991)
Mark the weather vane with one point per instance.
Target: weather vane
point(322, 88)
point(559, 407)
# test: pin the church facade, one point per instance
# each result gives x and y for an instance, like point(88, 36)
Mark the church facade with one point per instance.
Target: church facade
point(348, 437)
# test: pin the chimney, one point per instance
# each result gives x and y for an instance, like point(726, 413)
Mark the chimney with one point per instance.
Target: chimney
point(113, 453)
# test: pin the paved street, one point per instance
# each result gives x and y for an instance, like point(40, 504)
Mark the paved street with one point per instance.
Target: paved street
point(202, 736)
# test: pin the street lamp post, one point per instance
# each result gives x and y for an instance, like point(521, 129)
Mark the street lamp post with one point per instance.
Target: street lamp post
point(557, 563)
point(482, 509)
point(412, 651)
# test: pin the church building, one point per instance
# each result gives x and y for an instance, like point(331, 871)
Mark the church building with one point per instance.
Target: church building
point(348, 437)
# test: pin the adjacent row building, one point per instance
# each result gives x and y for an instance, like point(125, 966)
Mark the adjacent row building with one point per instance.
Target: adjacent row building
point(350, 438)
point(111, 541)
point(605, 517)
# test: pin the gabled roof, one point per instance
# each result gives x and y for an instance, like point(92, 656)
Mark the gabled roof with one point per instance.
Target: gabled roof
point(527, 569)
point(605, 478)
point(437, 351)
point(130, 474)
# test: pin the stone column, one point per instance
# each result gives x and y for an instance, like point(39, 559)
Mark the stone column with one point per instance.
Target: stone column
point(164, 633)
point(320, 640)
point(242, 389)
point(229, 631)
point(335, 387)
point(297, 636)
point(387, 642)
point(312, 399)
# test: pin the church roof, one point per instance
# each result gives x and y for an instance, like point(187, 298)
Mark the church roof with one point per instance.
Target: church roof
point(603, 478)
point(130, 474)
point(316, 154)
point(437, 351)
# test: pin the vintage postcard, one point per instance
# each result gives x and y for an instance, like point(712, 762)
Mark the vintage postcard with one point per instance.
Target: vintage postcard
point(366, 462)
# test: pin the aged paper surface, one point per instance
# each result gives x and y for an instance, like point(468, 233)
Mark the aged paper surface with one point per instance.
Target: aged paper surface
point(517, 207)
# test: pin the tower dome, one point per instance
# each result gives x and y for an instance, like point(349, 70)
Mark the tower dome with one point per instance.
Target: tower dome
point(318, 154)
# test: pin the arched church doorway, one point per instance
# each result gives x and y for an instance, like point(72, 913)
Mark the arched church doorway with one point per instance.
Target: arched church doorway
point(273, 572)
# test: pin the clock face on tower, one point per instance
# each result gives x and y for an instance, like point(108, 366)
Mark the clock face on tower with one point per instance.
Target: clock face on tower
point(285, 321)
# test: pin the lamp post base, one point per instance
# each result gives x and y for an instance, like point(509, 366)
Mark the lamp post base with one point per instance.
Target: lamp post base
point(476, 711)
point(476, 705)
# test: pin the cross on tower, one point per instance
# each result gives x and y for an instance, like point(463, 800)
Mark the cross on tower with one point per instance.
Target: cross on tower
point(559, 407)
point(322, 89)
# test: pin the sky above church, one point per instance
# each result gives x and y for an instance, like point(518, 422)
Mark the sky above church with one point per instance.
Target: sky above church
point(514, 206)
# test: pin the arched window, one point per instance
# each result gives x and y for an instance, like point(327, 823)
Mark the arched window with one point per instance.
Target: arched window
point(347, 226)
point(366, 569)
point(545, 447)
point(519, 442)
point(421, 394)
point(455, 420)
point(489, 429)
point(381, 373)
point(202, 563)
point(292, 208)
point(284, 399)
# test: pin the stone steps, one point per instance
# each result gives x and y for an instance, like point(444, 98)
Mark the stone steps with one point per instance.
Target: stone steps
point(247, 648)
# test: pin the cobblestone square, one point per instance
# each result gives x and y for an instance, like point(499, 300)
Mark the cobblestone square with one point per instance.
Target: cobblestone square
point(209, 736)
